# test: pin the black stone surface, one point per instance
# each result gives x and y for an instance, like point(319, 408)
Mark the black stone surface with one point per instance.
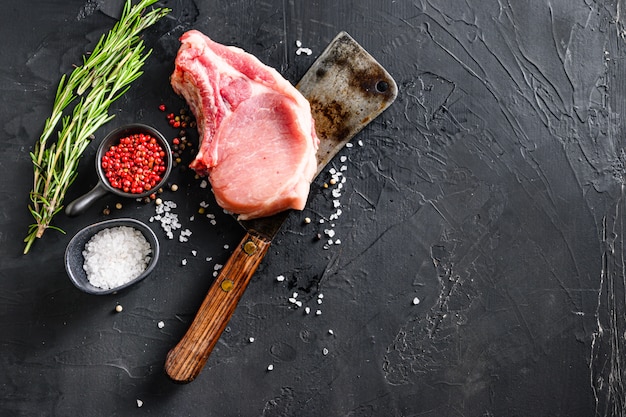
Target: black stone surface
point(492, 192)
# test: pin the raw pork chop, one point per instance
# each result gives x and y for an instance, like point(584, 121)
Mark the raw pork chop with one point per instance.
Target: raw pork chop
point(258, 141)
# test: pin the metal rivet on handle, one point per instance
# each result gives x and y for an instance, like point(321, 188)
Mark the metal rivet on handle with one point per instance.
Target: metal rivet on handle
point(249, 247)
point(227, 285)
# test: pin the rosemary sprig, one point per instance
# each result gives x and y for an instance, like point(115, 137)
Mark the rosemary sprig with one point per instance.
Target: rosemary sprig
point(105, 75)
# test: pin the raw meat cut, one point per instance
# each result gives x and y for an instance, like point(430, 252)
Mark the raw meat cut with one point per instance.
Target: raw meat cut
point(258, 139)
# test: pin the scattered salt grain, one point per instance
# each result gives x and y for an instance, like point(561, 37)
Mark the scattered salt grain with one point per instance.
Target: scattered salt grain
point(301, 50)
point(280, 278)
point(226, 246)
point(183, 262)
point(251, 339)
point(325, 351)
point(194, 253)
point(416, 301)
point(318, 312)
point(343, 158)
point(119, 308)
point(184, 235)
point(307, 310)
point(203, 184)
point(160, 325)
point(270, 367)
point(115, 256)
point(139, 403)
point(168, 220)
point(331, 332)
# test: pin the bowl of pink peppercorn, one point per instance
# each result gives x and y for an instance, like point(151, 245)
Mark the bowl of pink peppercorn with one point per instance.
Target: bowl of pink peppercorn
point(132, 161)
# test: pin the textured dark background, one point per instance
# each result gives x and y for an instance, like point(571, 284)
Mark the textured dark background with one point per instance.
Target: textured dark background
point(492, 190)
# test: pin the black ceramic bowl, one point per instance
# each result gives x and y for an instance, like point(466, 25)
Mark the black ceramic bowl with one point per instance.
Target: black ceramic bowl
point(74, 259)
point(103, 187)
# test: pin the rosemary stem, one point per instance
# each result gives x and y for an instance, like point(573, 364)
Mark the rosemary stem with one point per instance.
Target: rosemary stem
point(106, 74)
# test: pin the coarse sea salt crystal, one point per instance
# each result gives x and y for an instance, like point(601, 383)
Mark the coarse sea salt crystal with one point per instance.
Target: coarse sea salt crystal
point(168, 220)
point(115, 256)
point(301, 50)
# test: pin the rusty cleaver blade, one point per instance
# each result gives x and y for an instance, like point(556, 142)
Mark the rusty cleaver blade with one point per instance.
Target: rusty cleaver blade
point(347, 89)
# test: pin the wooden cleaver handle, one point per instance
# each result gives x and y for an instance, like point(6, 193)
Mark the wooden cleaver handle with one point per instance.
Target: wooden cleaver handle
point(185, 361)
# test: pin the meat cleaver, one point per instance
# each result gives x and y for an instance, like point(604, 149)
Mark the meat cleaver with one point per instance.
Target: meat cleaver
point(347, 89)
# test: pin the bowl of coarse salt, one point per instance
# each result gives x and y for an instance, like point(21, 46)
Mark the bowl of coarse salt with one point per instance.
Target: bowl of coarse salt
point(108, 256)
